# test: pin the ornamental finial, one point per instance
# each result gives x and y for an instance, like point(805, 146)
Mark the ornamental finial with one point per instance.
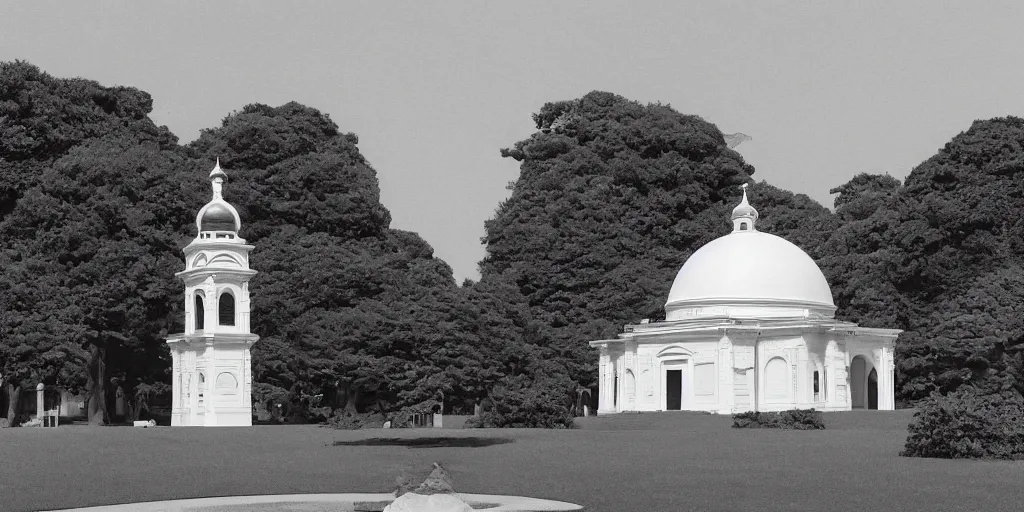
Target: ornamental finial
point(744, 215)
point(217, 179)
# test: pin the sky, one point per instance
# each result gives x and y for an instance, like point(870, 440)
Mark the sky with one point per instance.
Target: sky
point(435, 89)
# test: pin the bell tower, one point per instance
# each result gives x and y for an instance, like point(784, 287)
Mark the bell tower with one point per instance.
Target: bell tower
point(212, 370)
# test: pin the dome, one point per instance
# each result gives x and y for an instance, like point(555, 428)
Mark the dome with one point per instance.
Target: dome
point(218, 216)
point(748, 273)
point(750, 268)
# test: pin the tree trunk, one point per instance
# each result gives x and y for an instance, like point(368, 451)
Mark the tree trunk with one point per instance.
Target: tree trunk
point(97, 386)
point(351, 397)
point(13, 397)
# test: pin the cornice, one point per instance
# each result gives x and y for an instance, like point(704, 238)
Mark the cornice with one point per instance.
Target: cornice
point(213, 243)
point(210, 271)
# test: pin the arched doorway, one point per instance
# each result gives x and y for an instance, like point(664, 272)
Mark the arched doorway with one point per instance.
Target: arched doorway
point(863, 384)
point(776, 383)
point(873, 389)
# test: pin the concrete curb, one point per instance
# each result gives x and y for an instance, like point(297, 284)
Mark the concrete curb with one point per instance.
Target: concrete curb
point(346, 502)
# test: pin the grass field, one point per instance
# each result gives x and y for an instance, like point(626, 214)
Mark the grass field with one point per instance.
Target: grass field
point(645, 462)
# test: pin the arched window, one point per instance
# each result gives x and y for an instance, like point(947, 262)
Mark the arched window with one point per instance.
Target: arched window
point(227, 383)
point(743, 226)
point(199, 312)
point(227, 309)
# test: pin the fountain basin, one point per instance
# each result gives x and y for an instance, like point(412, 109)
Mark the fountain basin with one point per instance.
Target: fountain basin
point(346, 502)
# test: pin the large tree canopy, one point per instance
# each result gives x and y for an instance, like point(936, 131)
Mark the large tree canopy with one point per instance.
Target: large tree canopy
point(938, 256)
point(88, 217)
point(612, 197)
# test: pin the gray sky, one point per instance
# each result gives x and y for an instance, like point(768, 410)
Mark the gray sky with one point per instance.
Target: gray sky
point(435, 89)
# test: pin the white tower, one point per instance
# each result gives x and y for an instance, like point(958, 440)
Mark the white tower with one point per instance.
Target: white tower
point(212, 377)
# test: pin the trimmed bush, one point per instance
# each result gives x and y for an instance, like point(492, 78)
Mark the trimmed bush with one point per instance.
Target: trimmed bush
point(793, 419)
point(521, 404)
point(344, 420)
point(966, 424)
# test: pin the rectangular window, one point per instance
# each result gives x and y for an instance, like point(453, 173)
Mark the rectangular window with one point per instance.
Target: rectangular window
point(817, 387)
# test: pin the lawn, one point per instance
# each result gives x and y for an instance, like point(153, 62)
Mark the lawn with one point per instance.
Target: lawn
point(648, 462)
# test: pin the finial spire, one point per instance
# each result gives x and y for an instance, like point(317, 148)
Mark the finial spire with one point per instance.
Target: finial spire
point(217, 178)
point(744, 215)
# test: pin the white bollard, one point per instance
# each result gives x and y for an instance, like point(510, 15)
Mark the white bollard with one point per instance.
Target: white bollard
point(40, 397)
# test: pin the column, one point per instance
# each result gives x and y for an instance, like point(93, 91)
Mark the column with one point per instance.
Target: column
point(244, 308)
point(727, 373)
point(210, 414)
point(630, 395)
point(605, 390)
point(211, 306)
point(40, 397)
point(175, 387)
point(887, 400)
point(190, 305)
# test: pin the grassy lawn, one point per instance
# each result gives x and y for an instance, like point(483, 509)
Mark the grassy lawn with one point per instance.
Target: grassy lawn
point(648, 462)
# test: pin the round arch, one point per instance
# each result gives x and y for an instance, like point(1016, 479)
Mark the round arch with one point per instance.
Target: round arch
point(226, 307)
point(776, 381)
point(863, 382)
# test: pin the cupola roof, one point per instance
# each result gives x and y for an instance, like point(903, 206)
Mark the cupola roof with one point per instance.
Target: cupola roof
point(749, 267)
point(218, 215)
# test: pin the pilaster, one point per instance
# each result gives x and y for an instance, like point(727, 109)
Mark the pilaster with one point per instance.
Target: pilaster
point(209, 400)
point(175, 378)
point(727, 372)
point(606, 383)
point(742, 366)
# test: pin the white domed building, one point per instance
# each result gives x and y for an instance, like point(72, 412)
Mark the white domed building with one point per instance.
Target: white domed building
point(749, 326)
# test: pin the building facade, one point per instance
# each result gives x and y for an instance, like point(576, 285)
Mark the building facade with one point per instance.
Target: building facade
point(212, 369)
point(749, 326)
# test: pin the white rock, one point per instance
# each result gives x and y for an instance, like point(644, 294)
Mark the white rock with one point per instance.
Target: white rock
point(412, 502)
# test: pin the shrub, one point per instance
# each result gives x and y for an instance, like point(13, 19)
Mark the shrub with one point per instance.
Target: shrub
point(348, 421)
point(967, 424)
point(518, 403)
point(795, 419)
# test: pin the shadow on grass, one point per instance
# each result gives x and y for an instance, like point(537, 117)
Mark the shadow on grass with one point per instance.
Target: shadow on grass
point(429, 442)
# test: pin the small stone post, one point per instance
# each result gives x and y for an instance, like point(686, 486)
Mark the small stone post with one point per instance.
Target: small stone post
point(40, 397)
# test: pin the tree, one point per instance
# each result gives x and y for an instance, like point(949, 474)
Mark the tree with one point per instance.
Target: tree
point(85, 167)
point(938, 257)
point(336, 297)
point(612, 197)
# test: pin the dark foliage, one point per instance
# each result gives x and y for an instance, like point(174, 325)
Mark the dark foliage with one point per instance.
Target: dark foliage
point(968, 424)
point(611, 199)
point(794, 419)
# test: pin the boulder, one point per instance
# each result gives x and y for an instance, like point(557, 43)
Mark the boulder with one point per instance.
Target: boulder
point(435, 494)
